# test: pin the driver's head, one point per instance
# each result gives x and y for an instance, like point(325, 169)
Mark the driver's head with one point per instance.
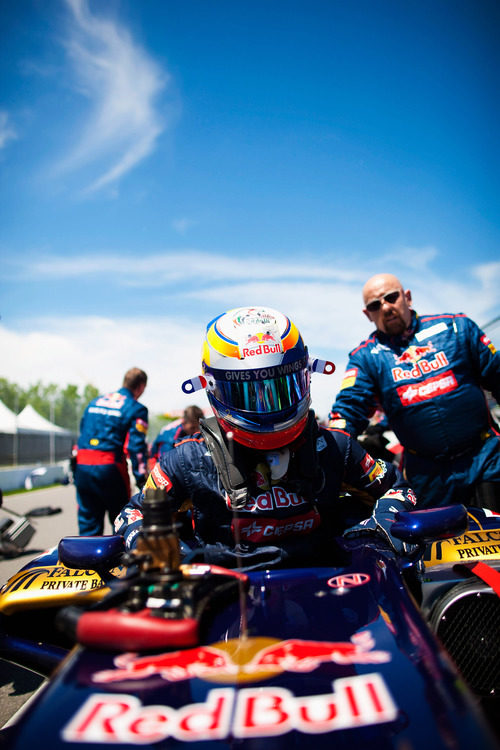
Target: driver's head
point(257, 378)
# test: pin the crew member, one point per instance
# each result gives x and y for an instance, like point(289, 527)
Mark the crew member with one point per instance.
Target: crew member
point(172, 433)
point(113, 427)
point(428, 373)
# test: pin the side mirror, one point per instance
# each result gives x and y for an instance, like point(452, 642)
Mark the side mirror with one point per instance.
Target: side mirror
point(99, 553)
point(423, 526)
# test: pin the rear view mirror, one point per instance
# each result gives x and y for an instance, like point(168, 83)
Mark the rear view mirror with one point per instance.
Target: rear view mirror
point(423, 526)
point(99, 553)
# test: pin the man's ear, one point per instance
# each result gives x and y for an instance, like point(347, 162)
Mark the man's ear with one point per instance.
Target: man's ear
point(408, 297)
point(137, 393)
point(365, 311)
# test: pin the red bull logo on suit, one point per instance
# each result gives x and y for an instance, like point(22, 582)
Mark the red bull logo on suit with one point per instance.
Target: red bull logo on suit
point(420, 366)
point(414, 354)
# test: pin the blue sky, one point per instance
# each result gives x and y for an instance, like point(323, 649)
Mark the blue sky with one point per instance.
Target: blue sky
point(162, 161)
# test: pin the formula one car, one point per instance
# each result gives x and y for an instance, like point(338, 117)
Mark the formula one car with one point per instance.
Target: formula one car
point(161, 654)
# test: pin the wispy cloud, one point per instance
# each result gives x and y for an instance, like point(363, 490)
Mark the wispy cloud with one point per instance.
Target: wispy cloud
point(176, 265)
point(414, 258)
point(218, 276)
point(7, 131)
point(97, 350)
point(122, 83)
point(323, 299)
point(182, 225)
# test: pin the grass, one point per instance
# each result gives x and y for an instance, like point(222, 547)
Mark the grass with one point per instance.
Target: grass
point(21, 490)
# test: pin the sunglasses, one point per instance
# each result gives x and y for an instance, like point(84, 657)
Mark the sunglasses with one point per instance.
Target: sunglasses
point(376, 304)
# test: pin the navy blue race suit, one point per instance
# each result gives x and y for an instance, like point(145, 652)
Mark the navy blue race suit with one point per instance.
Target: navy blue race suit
point(166, 439)
point(113, 427)
point(429, 383)
point(293, 518)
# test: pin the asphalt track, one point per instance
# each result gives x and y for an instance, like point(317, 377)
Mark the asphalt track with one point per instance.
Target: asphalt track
point(17, 685)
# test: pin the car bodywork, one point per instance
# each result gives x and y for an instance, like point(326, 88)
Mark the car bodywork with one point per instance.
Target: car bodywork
point(266, 659)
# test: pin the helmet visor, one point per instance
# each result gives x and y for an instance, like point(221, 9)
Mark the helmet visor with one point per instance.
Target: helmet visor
point(257, 395)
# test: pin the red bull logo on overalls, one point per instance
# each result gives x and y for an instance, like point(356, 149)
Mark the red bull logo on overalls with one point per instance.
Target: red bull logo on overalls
point(414, 355)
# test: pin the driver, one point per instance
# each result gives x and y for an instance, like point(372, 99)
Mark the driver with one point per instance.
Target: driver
point(262, 478)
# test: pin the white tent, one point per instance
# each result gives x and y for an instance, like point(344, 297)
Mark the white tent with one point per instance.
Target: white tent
point(8, 422)
point(29, 419)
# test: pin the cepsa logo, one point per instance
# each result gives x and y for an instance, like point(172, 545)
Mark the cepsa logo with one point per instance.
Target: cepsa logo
point(430, 388)
point(356, 701)
point(158, 479)
point(265, 530)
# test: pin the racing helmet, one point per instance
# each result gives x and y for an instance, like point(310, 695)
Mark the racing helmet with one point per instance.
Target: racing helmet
point(257, 378)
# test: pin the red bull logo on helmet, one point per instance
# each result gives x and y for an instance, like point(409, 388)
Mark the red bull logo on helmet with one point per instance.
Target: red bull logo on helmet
point(238, 661)
point(354, 701)
point(261, 343)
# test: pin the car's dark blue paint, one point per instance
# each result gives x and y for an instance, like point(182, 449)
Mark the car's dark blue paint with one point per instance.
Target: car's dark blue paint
point(364, 602)
point(434, 708)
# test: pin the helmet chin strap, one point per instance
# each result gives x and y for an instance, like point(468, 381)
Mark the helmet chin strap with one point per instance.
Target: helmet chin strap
point(233, 481)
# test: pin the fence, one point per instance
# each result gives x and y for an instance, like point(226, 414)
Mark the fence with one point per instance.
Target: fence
point(33, 447)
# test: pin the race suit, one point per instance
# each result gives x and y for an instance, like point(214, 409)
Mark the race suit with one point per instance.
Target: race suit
point(166, 439)
point(113, 427)
point(429, 384)
point(293, 518)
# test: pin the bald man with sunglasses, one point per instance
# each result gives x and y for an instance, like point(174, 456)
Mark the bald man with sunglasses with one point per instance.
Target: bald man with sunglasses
point(428, 374)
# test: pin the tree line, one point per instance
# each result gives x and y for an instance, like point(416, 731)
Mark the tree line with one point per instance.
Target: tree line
point(63, 406)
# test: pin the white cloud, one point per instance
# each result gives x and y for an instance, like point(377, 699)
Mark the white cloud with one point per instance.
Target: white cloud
point(315, 286)
point(122, 82)
point(414, 259)
point(7, 131)
point(325, 303)
point(175, 265)
point(99, 351)
point(182, 225)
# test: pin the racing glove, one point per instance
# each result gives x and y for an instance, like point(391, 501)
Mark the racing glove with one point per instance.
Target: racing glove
point(380, 523)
